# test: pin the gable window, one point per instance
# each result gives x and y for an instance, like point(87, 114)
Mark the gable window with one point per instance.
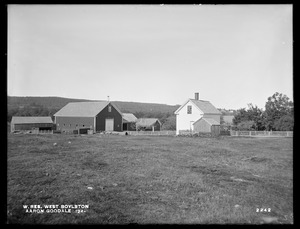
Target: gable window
point(189, 109)
point(109, 108)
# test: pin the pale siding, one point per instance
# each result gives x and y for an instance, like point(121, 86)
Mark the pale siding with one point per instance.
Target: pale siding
point(202, 126)
point(184, 121)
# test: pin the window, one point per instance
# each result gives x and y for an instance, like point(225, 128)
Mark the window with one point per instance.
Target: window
point(189, 109)
point(70, 125)
point(109, 108)
point(64, 124)
point(82, 125)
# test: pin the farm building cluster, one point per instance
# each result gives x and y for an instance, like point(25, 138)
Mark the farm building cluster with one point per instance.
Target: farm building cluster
point(194, 115)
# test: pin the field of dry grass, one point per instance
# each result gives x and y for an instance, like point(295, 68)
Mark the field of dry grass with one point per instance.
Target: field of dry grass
point(150, 179)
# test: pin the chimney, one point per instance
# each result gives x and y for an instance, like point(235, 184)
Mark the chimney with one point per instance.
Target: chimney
point(197, 96)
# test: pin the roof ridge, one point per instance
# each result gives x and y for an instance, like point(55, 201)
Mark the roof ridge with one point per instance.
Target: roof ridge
point(200, 100)
point(90, 102)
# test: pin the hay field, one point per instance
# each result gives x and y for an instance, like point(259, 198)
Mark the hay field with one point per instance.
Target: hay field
point(150, 179)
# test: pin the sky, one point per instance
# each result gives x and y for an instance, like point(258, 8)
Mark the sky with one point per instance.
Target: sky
point(232, 55)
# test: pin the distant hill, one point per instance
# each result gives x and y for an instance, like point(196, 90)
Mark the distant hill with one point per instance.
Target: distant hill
point(48, 102)
point(56, 103)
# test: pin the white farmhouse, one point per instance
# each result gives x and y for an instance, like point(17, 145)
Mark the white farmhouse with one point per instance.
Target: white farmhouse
point(193, 110)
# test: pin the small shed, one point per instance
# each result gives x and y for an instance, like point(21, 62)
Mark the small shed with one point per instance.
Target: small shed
point(207, 125)
point(148, 124)
point(129, 121)
point(30, 123)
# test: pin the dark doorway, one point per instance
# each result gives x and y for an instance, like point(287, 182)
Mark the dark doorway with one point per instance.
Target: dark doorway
point(45, 128)
point(125, 126)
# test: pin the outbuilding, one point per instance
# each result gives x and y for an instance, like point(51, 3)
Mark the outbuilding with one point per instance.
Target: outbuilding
point(148, 124)
point(98, 116)
point(30, 123)
point(129, 121)
point(207, 125)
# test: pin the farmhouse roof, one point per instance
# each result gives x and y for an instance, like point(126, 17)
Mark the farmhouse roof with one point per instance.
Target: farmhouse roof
point(210, 121)
point(147, 122)
point(128, 117)
point(31, 119)
point(205, 106)
point(82, 109)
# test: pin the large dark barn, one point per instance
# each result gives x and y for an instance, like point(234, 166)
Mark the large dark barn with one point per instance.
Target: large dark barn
point(98, 116)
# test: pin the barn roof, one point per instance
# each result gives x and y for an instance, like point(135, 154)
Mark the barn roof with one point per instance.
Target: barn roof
point(147, 122)
point(82, 109)
point(210, 121)
point(30, 120)
point(205, 106)
point(128, 117)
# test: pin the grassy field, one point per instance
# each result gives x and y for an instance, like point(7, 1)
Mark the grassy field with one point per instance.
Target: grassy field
point(150, 179)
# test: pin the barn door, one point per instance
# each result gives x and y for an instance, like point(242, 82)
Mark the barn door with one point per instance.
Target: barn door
point(109, 124)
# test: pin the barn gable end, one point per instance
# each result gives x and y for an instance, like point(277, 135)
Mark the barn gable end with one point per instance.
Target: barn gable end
point(93, 115)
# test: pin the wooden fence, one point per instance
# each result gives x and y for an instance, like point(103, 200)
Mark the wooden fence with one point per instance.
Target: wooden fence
point(162, 132)
point(262, 133)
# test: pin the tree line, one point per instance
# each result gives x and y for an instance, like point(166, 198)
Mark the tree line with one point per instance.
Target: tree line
point(278, 115)
point(31, 109)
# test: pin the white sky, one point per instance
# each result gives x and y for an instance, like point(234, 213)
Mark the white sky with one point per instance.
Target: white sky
point(231, 54)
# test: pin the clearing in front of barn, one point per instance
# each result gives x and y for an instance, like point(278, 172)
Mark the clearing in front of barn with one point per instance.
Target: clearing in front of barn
point(150, 179)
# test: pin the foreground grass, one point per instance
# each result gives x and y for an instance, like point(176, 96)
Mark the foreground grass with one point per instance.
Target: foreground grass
point(150, 179)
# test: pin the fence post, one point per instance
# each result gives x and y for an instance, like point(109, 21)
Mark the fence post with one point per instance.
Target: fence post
point(250, 133)
point(287, 133)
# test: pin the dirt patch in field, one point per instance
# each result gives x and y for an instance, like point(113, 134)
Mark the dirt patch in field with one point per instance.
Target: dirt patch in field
point(260, 159)
point(219, 152)
point(209, 171)
point(221, 176)
point(89, 162)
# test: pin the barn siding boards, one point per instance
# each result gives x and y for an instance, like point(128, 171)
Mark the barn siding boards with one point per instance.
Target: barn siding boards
point(31, 122)
point(69, 123)
point(105, 114)
point(30, 126)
